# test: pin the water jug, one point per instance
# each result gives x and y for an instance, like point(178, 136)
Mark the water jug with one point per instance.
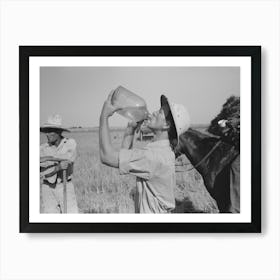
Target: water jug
point(134, 107)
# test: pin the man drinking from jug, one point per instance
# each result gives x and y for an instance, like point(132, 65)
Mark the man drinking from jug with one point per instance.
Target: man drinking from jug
point(153, 165)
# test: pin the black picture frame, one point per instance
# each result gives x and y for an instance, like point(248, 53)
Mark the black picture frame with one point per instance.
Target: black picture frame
point(254, 52)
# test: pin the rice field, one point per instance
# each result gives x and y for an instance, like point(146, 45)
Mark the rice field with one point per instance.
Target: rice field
point(100, 189)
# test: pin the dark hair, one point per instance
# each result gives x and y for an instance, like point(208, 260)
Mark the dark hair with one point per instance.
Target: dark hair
point(172, 133)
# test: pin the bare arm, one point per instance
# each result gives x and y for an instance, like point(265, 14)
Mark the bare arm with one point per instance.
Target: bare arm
point(108, 154)
point(129, 134)
point(128, 137)
point(127, 142)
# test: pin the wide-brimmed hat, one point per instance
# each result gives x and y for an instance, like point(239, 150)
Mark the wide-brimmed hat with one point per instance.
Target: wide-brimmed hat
point(180, 115)
point(53, 122)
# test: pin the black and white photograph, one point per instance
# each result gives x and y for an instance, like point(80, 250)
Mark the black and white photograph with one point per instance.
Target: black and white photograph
point(127, 135)
point(162, 155)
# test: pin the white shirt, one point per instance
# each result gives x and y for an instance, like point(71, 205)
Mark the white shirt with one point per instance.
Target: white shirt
point(66, 149)
point(154, 168)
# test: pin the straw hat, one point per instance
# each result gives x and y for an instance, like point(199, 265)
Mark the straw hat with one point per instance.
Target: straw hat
point(55, 122)
point(180, 116)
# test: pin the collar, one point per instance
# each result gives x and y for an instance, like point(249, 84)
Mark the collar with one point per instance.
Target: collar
point(159, 143)
point(62, 142)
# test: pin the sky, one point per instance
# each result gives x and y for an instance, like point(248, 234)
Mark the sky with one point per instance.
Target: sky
point(78, 93)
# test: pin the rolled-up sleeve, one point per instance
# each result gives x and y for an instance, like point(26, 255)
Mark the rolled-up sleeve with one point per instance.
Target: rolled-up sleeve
point(138, 162)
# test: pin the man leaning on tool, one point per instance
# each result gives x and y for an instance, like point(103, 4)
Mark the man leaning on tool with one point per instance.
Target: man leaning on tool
point(153, 165)
point(57, 156)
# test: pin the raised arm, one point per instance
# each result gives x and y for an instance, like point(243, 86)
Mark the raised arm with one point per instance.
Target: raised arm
point(108, 154)
point(129, 133)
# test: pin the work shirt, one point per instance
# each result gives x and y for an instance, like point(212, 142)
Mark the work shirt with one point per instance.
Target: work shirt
point(65, 150)
point(154, 168)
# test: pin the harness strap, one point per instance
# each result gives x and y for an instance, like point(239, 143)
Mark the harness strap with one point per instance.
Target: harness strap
point(205, 157)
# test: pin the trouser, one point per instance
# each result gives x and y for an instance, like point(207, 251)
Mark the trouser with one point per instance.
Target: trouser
point(52, 198)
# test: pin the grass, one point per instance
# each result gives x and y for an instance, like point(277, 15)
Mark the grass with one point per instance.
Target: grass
point(100, 189)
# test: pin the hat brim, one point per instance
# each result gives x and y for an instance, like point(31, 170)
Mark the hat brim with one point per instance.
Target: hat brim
point(55, 128)
point(164, 101)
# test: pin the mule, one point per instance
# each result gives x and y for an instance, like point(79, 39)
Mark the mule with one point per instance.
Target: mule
point(212, 158)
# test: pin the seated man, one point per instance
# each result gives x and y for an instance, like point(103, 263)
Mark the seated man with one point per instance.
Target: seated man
point(57, 155)
point(153, 165)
